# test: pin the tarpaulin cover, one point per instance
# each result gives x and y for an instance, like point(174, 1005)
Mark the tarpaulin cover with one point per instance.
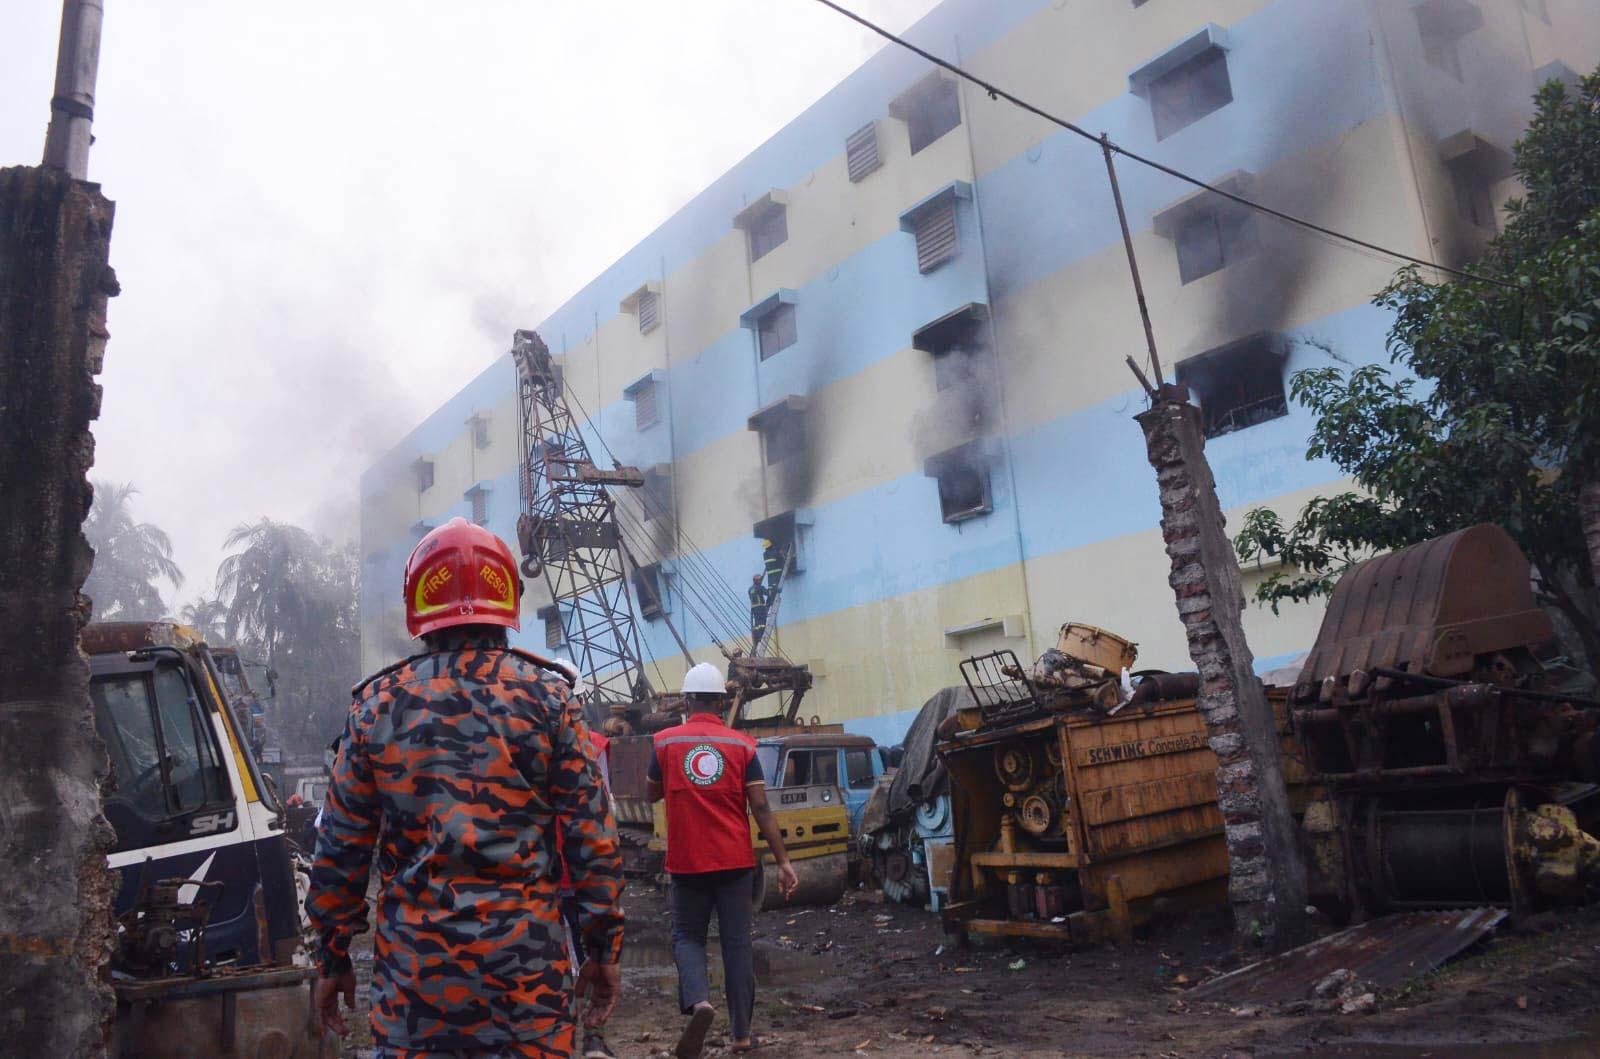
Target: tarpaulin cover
point(921, 775)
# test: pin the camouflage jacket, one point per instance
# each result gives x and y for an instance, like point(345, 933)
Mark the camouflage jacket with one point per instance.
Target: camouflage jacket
point(458, 767)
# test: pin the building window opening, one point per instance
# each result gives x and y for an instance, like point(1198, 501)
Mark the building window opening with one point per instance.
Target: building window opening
point(1474, 202)
point(1441, 24)
point(964, 487)
point(783, 438)
point(480, 431)
point(768, 230)
point(479, 500)
point(776, 331)
point(861, 152)
point(422, 469)
point(1210, 239)
point(930, 109)
point(647, 588)
point(649, 310)
point(644, 405)
point(1239, 385)
point(655, 496)
point(956, 344)
point(1184, 95)
point(963, 492)
point(780, 535)
point(937, 234)
point(551, 617)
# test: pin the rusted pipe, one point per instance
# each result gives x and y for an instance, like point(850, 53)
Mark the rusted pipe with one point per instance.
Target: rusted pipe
point(1469, 696)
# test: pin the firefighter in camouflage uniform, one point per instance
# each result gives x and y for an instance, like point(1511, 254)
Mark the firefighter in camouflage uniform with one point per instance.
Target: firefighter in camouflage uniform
point(458, 766)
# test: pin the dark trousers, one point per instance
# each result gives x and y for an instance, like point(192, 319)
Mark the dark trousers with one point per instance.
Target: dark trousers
point(758, 627)
point(569, 912)
point(694, 897)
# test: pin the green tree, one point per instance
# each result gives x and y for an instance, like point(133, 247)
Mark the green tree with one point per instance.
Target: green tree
point(209, 615)
point(130, 558)
point(291, 599)
point(1495, 413)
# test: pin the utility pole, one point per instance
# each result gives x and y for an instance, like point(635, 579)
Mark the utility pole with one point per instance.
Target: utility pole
point(1266, 880)
point(56, 930)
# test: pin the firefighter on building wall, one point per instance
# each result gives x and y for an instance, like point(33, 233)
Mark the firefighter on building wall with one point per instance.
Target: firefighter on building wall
point(709, 776)
point(457, 766)
point(758, 614)
point(773, 559)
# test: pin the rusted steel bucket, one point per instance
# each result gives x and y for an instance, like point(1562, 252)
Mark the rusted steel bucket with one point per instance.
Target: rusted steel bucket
point(1431, 608)
point(1096, 646)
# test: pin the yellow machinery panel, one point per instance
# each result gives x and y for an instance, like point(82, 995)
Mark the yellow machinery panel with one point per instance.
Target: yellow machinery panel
point(1068, 816)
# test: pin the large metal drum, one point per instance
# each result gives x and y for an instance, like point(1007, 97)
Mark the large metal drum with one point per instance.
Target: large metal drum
point(822, 882)
point(1096, 646)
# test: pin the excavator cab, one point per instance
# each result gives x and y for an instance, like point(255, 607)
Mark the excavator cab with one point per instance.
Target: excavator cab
point(186, 797)
point(208, 958)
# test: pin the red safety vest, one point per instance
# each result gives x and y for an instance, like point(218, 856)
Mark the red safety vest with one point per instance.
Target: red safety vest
point(703, 764)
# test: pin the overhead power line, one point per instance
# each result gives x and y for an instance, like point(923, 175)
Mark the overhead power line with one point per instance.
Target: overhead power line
point(996, 92)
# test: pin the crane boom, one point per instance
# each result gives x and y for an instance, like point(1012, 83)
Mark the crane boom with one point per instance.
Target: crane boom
point(568, 531)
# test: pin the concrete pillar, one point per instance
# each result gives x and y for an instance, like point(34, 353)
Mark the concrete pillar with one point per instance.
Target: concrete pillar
point(56, 929)
point(1267, 884)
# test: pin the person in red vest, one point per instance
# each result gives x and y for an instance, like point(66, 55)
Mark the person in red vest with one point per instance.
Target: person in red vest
point(709, 774)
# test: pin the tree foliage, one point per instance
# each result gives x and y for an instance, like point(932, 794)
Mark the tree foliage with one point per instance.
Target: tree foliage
point(130, 558)
point(291, 600)
point(209, 616)
point(1493, 411)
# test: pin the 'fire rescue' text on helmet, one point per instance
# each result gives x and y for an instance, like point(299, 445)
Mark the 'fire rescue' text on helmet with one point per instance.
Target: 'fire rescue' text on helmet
point(461, 574)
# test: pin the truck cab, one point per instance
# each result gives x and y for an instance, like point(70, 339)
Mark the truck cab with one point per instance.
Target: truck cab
point(189, 806)
point(849, 763)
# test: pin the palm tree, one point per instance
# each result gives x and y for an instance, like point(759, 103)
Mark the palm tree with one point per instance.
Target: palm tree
point(291, 598)
point(270, 583)
point(130, 557)
point(209, 615)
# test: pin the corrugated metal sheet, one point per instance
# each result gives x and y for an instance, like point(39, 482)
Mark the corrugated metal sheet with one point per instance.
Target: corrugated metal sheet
point(861, 152)
point(1383, 952)
point(936, 235)
point(649, 310)
point(644, 406)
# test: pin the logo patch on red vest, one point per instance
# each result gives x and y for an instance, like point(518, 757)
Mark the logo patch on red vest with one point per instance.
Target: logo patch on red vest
point(703, 765)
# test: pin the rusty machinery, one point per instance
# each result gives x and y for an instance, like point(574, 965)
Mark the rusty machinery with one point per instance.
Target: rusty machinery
point(1075, 807)
point(1450, 772)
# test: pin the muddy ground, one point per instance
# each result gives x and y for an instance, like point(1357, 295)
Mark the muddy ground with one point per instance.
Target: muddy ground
point(874, 978)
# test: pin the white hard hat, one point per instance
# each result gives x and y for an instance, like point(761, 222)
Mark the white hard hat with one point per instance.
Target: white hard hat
point(570, 672)
point(704, 679)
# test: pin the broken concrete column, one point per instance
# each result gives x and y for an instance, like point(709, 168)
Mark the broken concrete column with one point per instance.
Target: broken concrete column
point(56, 929)
point(1267, 885)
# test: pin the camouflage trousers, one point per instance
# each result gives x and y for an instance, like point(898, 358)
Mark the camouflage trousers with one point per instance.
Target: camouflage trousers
point(559, 1043)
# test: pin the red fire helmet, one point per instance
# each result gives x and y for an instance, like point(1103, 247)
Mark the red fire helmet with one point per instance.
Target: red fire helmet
point(461, 574)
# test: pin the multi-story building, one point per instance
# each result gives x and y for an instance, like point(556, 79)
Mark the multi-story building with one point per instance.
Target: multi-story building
point(894, 334)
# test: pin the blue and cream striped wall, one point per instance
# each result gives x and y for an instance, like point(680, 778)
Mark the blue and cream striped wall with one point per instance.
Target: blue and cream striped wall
point(1334, 113)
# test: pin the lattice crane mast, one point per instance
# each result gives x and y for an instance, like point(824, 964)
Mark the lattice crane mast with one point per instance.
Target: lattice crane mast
point(568, 531)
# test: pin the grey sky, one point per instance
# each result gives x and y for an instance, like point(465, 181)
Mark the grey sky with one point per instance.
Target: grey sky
point(331, 216)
